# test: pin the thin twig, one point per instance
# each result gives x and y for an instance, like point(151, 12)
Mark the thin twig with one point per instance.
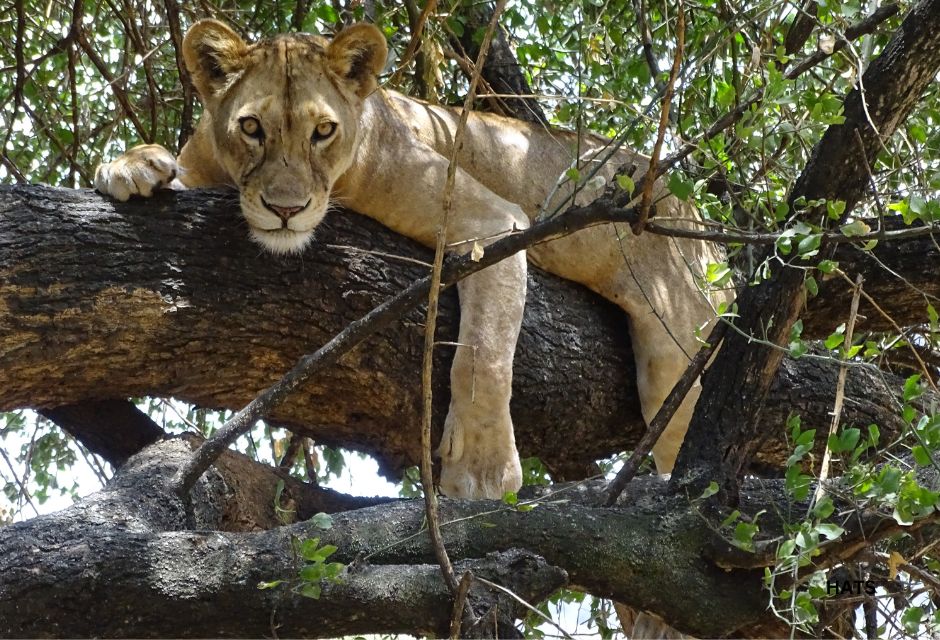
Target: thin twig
point(381, 254)
point(840, 392)
point(755, 238)
point(658, 424)
point(427, 479)
point(460, 601)
point(417, 28)
point(647, 198)
point(176, 35)
point(23, 490)
point(525, 604)
point(860, 28)
point(884, 314)
point(119, 93)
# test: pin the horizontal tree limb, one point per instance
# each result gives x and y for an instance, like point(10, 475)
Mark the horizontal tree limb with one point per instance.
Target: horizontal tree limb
point(104, 300)
point(120, 564)
point(133, 560)
point(164, 579)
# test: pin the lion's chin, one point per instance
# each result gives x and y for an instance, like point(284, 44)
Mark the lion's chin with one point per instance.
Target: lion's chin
point(282, 241)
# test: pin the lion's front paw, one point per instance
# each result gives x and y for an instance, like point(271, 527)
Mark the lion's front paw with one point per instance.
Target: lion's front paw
point(138, 172)
point(479, 458)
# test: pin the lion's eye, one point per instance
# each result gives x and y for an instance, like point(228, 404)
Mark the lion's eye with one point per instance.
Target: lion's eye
point(323, 131)
point(251, 127)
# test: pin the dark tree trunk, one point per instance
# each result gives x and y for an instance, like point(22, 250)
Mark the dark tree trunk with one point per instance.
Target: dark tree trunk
point(501, 69)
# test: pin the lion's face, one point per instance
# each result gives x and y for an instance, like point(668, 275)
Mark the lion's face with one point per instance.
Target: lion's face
point(285, 117)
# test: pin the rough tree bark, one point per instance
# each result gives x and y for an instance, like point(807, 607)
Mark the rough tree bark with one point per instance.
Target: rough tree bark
point(103, 300)
point(117, 564)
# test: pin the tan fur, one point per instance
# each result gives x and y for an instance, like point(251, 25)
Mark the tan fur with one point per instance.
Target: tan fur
point(388, 159)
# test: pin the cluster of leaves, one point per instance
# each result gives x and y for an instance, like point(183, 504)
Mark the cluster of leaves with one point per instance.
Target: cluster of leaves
point(36, 465)
point(869, 484)
point(314, 570)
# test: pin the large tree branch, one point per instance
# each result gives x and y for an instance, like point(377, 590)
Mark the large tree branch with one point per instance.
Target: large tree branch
point(167, 581)
point(191, 569)
point(167, 297)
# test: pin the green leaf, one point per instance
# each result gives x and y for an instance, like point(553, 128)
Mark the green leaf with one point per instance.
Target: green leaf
point(322, 521)
point(793, 424)
point(829, 531)
point(911, 619)
point(311, 573)
point(835, 209)
point(797, 347)
point(905, 210)
point(812, 287)
point(573, 174)
point(626, 183)
point(805, 610)
point(806, 438)
point(332, 570)
point(710, 490)
point(308, 548)
point(510, 498)
point(912, 388)
point(311, 590)
point(806, 539)
point(849, 438)
point(854, 229)
point(456, 25)
point(809, 246)
point(921, 455)
point(733, 516)
point(744, 535)
point(718, 273)
point(269, 585)
point(325, 552)
point(797, 483)
point(834, 340)
point(827, 266)
point(823, 508)
point(680, 187)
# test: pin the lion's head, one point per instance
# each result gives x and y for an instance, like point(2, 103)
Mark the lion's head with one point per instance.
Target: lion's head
point(284, 118)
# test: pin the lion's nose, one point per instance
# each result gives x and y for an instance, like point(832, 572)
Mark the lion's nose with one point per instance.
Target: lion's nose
point(285, 213)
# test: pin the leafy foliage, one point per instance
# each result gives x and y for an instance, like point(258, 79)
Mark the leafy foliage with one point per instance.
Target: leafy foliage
point(82, 81)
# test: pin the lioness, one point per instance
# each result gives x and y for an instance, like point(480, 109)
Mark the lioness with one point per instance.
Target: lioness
point(296, 122)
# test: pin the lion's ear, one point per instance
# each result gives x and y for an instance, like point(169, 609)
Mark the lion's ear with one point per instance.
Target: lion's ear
point(212, 52)
point(357, 55)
